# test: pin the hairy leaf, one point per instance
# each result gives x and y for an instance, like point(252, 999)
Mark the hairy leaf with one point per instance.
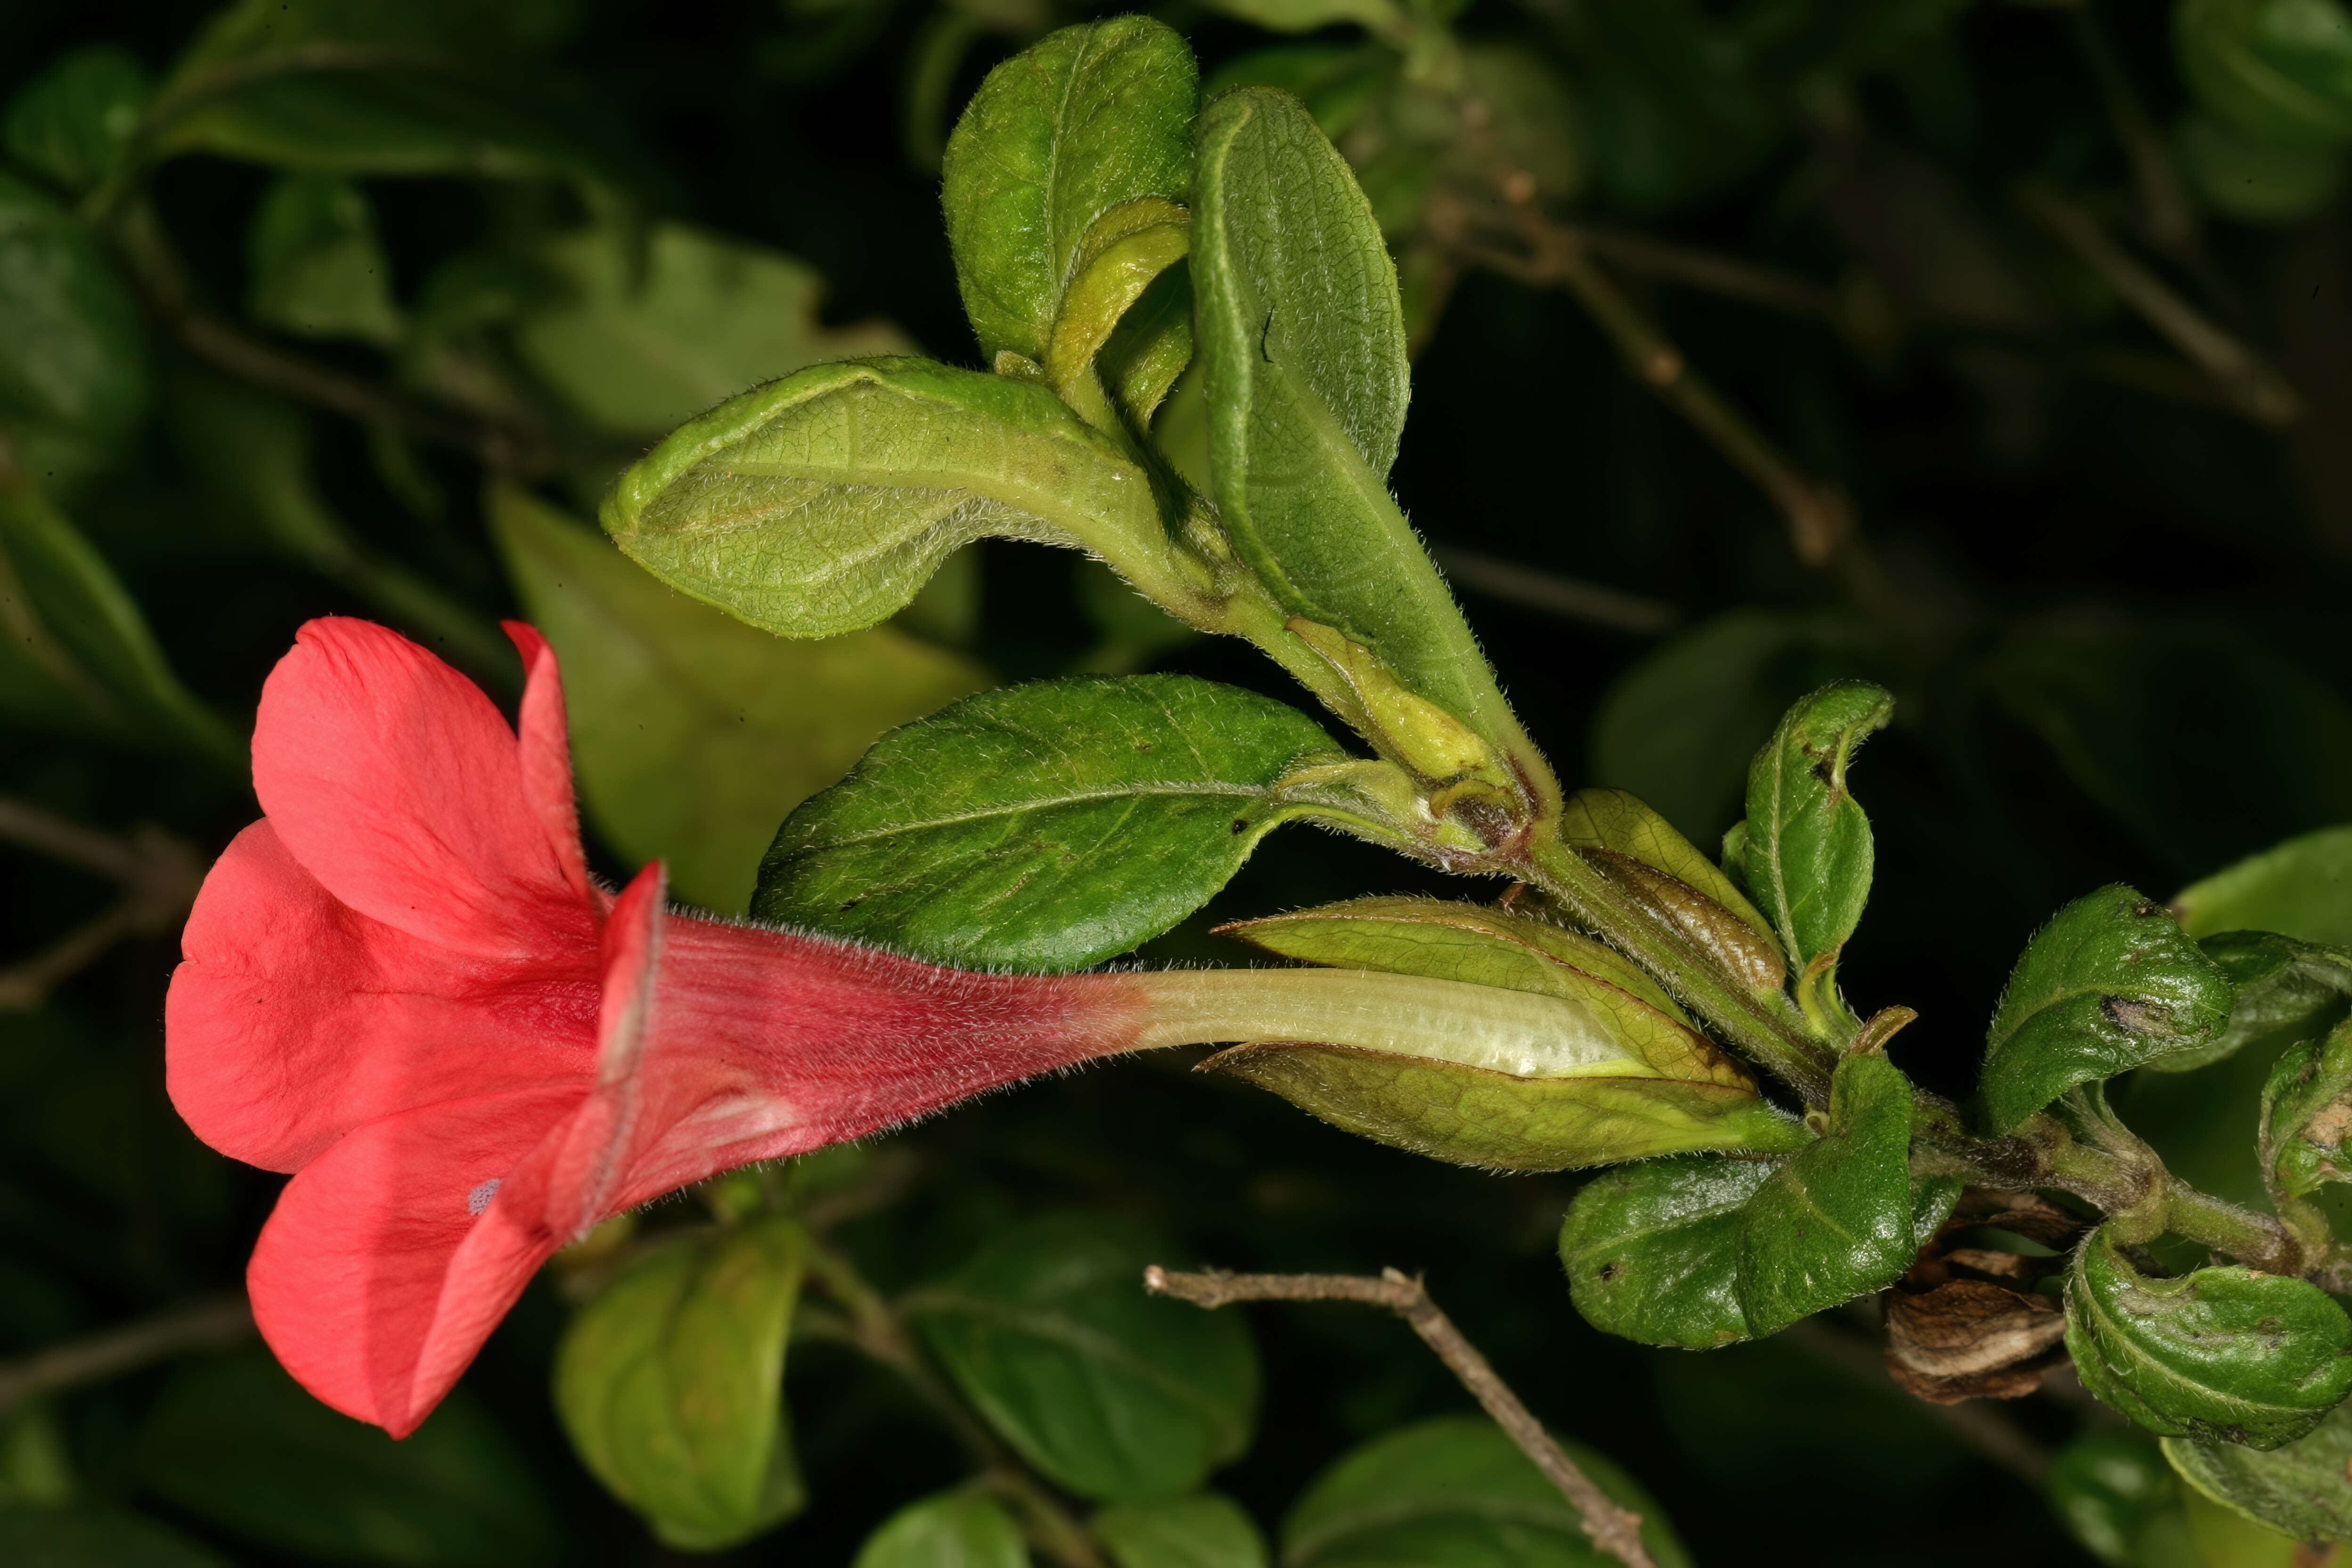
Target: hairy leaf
point(2112, 982)
point(1204, 1530)
point(1652, 1250)
point(1619, 820)
point(1092, 117)
point(2301, 889)
point(237, 1443)
point(73, 355)
point(2226, 1353)
point(1302, 346)
point(2285, 991)
point(649, 328)
point(70, 123)
point(1809, 852)
point(693, 734)
point(1837, 1220)
point(671, 1385)
point(952, 1530)
point(2299, 1489)
point(1457, 1489)
point(2306, 1117)
point(1111, 1392)
point(821, 503)
point(317, 268)
point(1045, 827)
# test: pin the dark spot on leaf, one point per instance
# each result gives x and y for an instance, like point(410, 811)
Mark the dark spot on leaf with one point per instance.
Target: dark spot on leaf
point(852, 904)
point(1143, 745)
point(2138, 1017)
point(1609, 1271)
point(1241, 824)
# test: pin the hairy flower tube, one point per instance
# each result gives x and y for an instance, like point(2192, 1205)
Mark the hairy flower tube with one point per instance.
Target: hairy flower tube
point(402, 987)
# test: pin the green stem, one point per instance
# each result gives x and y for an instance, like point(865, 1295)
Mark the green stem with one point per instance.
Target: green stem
point(2251, 1237)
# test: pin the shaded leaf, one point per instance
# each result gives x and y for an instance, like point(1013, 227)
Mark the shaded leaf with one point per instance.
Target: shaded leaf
point(1303, 353)
point(96, 1538)
point(2112, 982)
point(2301, 889)
point(70, 123)
point(1206, 1530)
point(2226, 1353)
point(694, 734)
point(952, 1530)
point(2113, 1493)
point(1455, 1489)
point(821, 503)
point(1306, 16)
point(73, 356)
point(1045, 827)
point(649, 327)
point(1810, 855)
point(2279, 71)
point(671, 1385)
point(1108, 1392)
point(2252, 178)
point(317, 269)
point(237, 1443)
point(2299, 1489)
point(1837, 1220)
point(1091, 117)
point(1652, 1250)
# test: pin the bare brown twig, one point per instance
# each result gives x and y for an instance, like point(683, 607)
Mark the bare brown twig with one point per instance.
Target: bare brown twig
point(1614, 1529)
point(213, 1324)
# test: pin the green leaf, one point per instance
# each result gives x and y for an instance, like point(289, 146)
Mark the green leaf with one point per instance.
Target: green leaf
point(952, 1530)
point(1810, 855)
point(1108, 1392)
point(671, 1385)
point(693, 734)
point(821, 503)
point(1617, 820)
point(73, 355)
point(1206, 1530)
point(2280, 70)
point(2251, 179)
point(2285, 991)
point(1680, 729)
point(1302, 346)
point(1120, 259)
point(1091, 117)
point(70, 123)
point(317, 269)
point(96, 1538)
point(1836, 1220)
point(2299, 1489)
point(1308, 16)
point(2113, 1493)
point(2112, 982)
point(235, 1442)
point(649, 327)
point(2226, 1353)
point(1043, 826)
point(2301, 889)
point(78, 655)
point(1456, 1490)
point(1652, 1250)
point(2307, 1115)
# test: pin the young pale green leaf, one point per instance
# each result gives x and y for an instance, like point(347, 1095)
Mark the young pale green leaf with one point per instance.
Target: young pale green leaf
point(96, 1538)
point(1838, 1219)
point(1456, 1489)
point(73, 354)
point(2225, 1353)
point(235, 1442)
point(1652, 1250)
point(1108, 1392)
point(1090, 118)
point(1123, 254)
point(1205, 1530)
point(693, 734)
point(1050, 825)
point(2301, 889)
point(821, 503)
point(648, 328)
point(2111, 984)
point(2279, 71)
point(1302, 346)
point(316, 266)
point(1809, 853)
point(2300, 1489)
point(2284, 992)
point(79, 655)
point(1617, 819)
point(1152, 346)
point(671, 1385)
point(953, 1530)
point(70, 123)
point(2112, 1491)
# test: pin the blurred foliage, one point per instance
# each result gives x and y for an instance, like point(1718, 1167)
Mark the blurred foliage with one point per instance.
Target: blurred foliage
point(2039, 317)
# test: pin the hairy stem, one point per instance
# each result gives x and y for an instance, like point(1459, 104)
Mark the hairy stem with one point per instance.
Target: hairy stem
point(1614, 1529)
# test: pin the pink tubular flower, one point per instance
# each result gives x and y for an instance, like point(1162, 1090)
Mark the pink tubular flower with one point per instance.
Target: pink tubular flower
point(402, 987)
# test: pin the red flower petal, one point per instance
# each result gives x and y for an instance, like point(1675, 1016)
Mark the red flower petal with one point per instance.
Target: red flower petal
point(295, 1019)
point(545, 745)
point(393, 781)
